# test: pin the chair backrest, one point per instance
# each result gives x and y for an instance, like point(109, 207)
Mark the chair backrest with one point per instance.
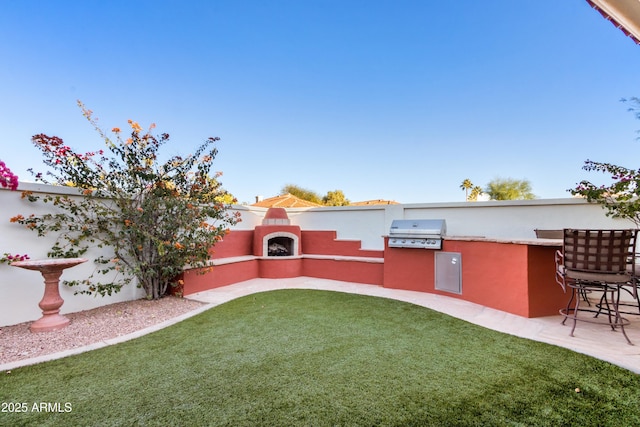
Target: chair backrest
point(602, 251)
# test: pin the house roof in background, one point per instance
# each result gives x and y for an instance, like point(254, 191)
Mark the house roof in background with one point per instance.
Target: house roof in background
point(290, 201)
point(285, 201)
point(624, 14)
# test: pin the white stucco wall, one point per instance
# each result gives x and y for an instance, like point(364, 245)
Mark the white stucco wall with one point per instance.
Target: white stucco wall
point(367, 224)
point(506, 219)
point(517, 218)
point(250, 217)
point(21, 290)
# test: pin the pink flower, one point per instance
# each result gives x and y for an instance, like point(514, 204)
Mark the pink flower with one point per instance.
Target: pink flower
point(8, 258)
point(7, 178)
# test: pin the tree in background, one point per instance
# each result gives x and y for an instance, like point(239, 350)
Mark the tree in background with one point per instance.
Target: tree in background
point(470, 196)
point(476, 191)
point(332, 198)
point(302, 193)
point(466, 186)
point(509, 189)
point(156, 217)
point(621, 198)
point(335, 198)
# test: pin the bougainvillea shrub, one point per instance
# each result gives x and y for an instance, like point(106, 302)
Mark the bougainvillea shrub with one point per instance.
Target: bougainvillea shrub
point(156, 216)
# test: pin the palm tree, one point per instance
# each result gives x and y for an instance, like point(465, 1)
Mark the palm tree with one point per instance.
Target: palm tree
point(475, 192)
point(466, 186)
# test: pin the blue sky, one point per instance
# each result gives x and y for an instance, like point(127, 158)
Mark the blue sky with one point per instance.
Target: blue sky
point(396, 100)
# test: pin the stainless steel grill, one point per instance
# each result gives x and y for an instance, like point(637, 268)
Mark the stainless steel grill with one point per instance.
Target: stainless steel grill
point(417, 233)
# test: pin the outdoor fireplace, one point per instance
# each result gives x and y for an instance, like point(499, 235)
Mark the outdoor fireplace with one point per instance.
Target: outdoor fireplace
point(276, 237)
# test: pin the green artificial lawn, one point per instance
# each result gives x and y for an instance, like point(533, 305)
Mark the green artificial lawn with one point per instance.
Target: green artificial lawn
point(318, 358)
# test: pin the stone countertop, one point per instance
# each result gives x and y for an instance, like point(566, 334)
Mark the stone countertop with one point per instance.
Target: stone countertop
point(518, 241)
point(533, 241)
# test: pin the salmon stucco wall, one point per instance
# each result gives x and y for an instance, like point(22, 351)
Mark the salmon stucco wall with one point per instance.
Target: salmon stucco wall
point(236, 243)
point(546, 296)
point(198, 280)
point(411, 269)
point(370, 273)
point(494, 274)
point(279, 267)
point(513, 277)
point(235, 260)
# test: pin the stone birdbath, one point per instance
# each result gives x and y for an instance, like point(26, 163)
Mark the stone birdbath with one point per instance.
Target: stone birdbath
point(51, 270)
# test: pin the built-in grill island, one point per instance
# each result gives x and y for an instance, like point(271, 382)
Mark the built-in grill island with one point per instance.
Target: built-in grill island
point(425, 234)
point(417, 233)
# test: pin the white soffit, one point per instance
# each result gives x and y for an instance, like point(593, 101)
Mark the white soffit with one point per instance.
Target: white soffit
point(624, 14)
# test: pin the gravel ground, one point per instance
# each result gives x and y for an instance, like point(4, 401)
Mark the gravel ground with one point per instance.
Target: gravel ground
point(91, 326)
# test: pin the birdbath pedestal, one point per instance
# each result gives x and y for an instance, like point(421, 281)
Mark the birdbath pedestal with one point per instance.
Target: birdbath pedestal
point(51, 270)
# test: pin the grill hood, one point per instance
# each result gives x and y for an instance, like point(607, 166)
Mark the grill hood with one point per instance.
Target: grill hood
point(418, 228)
point(417, 233)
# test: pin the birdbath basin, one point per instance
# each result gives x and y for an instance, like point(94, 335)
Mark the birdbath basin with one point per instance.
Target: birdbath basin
point(51, 270)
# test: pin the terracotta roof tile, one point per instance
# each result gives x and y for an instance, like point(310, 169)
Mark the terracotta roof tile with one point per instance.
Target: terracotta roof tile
point(286, 201)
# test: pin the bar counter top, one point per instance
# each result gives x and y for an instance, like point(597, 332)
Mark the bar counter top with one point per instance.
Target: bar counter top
point(518, 241)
